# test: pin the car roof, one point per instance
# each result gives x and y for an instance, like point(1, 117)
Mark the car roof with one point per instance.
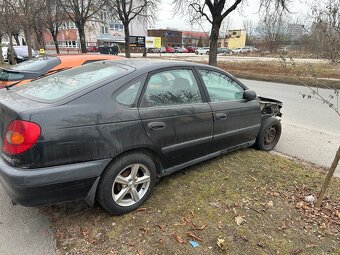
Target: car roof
point(74, 60)
point(148, 65)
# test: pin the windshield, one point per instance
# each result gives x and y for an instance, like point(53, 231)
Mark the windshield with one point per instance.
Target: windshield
point(63, 84)
point(40, 65)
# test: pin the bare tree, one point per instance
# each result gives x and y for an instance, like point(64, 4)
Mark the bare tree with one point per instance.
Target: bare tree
point(25, 13)
point(250, 28)
point(325, 31)
point(53, 16)
point(273, 29)
point(8, 23)
point(215, 12)
point(81, 12)
point(128, 10)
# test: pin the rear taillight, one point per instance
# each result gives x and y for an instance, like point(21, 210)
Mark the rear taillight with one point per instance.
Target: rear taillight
point(20, 136)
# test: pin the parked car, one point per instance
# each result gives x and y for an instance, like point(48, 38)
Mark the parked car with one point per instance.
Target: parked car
point(42, 66)
point(107, 131)
point(20, 54)
point(157, 50)
point(201, 51)
point(223, 51)
point(191, 49)
point(244, 50)
point(4, 53)
point(92, 48)
point(180, 50)
point(169, 50)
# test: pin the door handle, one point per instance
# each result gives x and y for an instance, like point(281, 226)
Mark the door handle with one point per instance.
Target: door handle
point(221, 116)
point(156, 125)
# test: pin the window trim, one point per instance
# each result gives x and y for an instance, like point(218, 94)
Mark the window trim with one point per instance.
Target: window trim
point(150, 74)
point(221, 72)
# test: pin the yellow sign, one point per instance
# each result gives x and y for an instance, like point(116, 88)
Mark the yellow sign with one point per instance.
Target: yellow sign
point(158, 42)
point(42, 51)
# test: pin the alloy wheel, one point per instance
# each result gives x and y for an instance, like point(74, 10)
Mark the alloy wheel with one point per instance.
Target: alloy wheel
point(131, 185)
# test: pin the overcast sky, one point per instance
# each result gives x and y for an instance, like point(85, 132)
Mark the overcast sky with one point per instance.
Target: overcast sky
point(236, 18)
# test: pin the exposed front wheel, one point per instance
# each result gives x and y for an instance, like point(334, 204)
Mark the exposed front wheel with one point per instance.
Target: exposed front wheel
point(269, 134)
point(126, 183)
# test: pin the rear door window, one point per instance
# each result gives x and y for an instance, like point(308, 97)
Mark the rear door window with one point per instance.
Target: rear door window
point(63, 84)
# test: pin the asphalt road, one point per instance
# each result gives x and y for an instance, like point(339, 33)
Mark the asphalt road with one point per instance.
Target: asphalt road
point(23, 230)
point(311, 130)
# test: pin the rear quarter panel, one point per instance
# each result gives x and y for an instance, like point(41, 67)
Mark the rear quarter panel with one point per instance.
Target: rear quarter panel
point(93, 126)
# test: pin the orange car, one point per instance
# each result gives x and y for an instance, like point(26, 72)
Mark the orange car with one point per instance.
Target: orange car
point(42, 66)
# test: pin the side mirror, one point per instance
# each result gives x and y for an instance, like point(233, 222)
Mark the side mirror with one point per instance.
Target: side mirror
point(249, 95)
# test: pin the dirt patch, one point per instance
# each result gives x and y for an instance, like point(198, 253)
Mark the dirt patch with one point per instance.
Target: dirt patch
point(249, 202)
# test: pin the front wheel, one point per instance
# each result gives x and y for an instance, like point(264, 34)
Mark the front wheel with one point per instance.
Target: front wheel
point(126, 183)
point(269, 134)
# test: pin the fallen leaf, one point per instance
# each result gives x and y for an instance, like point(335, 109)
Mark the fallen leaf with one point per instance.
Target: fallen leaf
point(296, 251)
point(178, 238)
point(191, 234)
point(221, 243)
point(270, 204)
point(161, 227)
point(141, 209)
point(299, 205)
point(201, 227)
point(239, 220)
point(260, 245)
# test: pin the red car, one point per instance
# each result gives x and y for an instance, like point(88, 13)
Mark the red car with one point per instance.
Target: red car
point(191, 49)
point(92, 49)
point(169, 50)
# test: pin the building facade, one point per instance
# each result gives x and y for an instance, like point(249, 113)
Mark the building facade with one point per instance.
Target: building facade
point(170, 37)
point(236, 38)
point(106, 29)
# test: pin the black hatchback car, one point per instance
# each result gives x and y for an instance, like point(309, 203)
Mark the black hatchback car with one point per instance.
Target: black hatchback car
point(106, 131)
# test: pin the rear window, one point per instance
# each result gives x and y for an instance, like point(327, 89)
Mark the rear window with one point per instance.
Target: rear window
point(37, 65)
point(63, 84)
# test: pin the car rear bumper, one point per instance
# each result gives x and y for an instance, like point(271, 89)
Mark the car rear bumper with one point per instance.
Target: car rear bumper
point(50, 185)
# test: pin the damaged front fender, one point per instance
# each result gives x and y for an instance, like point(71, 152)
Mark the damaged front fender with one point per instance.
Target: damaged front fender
point(270, 107)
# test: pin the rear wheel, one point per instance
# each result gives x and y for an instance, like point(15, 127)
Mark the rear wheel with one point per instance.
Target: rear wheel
point(126, 183)
point(269, 134)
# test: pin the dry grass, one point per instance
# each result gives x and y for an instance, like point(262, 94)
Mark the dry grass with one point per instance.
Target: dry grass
point(300, 74)
point(204, 201)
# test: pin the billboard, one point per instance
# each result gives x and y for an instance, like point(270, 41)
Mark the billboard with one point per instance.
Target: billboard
point(137, 41)
point(153, 42)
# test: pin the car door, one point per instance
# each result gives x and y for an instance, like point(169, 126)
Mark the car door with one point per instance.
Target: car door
point(236, 120)
point(175, 115)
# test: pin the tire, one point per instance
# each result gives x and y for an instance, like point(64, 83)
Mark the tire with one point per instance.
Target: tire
point(207, 53)
point(269, 134)
point(110, 186)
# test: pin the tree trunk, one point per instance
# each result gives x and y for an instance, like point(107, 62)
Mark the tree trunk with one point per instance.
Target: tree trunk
point(28, 42)
point(40, 38)
point(81, 30)
point(1, 57)
point(11, 59)
point(127, 40)
point(213, 43)
point(16, 38)
point(328, 179)
point(55, 41)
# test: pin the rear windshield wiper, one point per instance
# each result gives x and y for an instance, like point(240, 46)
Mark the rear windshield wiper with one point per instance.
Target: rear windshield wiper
point(12, 85)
